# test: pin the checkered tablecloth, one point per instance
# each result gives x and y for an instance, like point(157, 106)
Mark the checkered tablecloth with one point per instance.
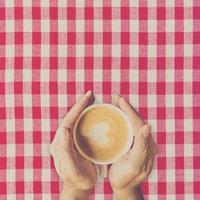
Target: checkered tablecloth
point(51, 52)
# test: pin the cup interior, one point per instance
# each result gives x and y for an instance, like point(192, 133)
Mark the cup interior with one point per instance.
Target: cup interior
point(126, 146)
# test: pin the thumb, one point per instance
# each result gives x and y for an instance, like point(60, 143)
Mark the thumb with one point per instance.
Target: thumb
point(66, 144)
point(66, 141)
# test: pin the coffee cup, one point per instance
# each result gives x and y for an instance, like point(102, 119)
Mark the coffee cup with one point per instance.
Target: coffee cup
point(103, 133)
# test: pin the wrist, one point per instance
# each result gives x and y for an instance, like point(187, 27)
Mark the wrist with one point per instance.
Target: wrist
point(128, 193)
point(72, 193)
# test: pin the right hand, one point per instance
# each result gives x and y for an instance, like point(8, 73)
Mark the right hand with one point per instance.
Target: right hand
point(78, 174)
point(127, 173)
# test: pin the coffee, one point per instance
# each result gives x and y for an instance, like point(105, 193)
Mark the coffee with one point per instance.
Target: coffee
point(102, 133)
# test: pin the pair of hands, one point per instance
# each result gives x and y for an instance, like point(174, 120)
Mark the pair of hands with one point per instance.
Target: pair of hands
point(79, 175)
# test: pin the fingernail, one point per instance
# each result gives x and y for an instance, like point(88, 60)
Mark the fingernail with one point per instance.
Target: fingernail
point(88, 93)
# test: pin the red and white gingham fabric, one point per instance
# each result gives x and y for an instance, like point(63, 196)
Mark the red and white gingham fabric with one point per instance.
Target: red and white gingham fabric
point(51, 52)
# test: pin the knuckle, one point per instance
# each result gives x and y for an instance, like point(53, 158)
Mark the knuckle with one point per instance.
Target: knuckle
point(142, 147)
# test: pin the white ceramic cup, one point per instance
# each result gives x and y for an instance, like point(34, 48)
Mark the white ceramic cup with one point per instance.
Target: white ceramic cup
point(129, 139)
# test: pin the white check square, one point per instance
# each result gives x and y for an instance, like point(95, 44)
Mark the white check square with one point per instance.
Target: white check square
point(62, 100)
point(10, 25)
point(44, 75)
point(27, 25)
point(188, 150)
point(28, 175)
point(27, 50)
point(10, 175)
point(188, 24)
point(11, 149)
point(188, 175)
point(45, 149)
point(27, 75)
point(169, 75)
point(188, 100)
point(170, 175)
point(134, 50)
point(98, 50)
point(80, 75)
point(188, 125)
point(98, 75)
point(152, 76)
point(170, 150)
point(10, 125)
point(98, 4)
point(80, 25)
point(28, 196)
point(62, 50)
point(45, 25)
point(188, 50)
point(80, 50)
point(116, 25)
point(116, 75)
point(44, 100)
point(116, 50)
point(188, 75)
point(152, 51)
point(9, 3)
point(134, 26)
point(170, 100)
point(10, 50)
point(62, 3)
point(46, 175)
point(28, 125)
point(98, 26)
point(45, 50)
point(188, 3)
point(152, 3)
point(80, 3)
point(170, 25)
point(45, 125)
point(170, 3)
point(152, 25)
point(46, 196)
point(152, 100)
point(9, 75)
point(116, 3)
point(11, 196)
point(9, 100)
point(170, 125)
point(27, 3)
point(170, 52)
point(28, 149)
point(27, 100)
point(62, 26)
point(62, 75)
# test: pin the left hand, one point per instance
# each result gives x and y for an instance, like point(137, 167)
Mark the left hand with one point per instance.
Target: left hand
point(126, 174)
point(78, 174)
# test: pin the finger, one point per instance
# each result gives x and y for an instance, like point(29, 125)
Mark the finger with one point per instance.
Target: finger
point(142, 138)
point(76, 110)
point(134, 117)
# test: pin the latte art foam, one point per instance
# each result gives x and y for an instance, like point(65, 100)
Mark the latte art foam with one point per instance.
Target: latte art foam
point(99, 133)
point(102, 133)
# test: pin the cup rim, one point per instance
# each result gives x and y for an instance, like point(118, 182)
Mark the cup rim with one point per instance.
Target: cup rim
point(130, 134)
